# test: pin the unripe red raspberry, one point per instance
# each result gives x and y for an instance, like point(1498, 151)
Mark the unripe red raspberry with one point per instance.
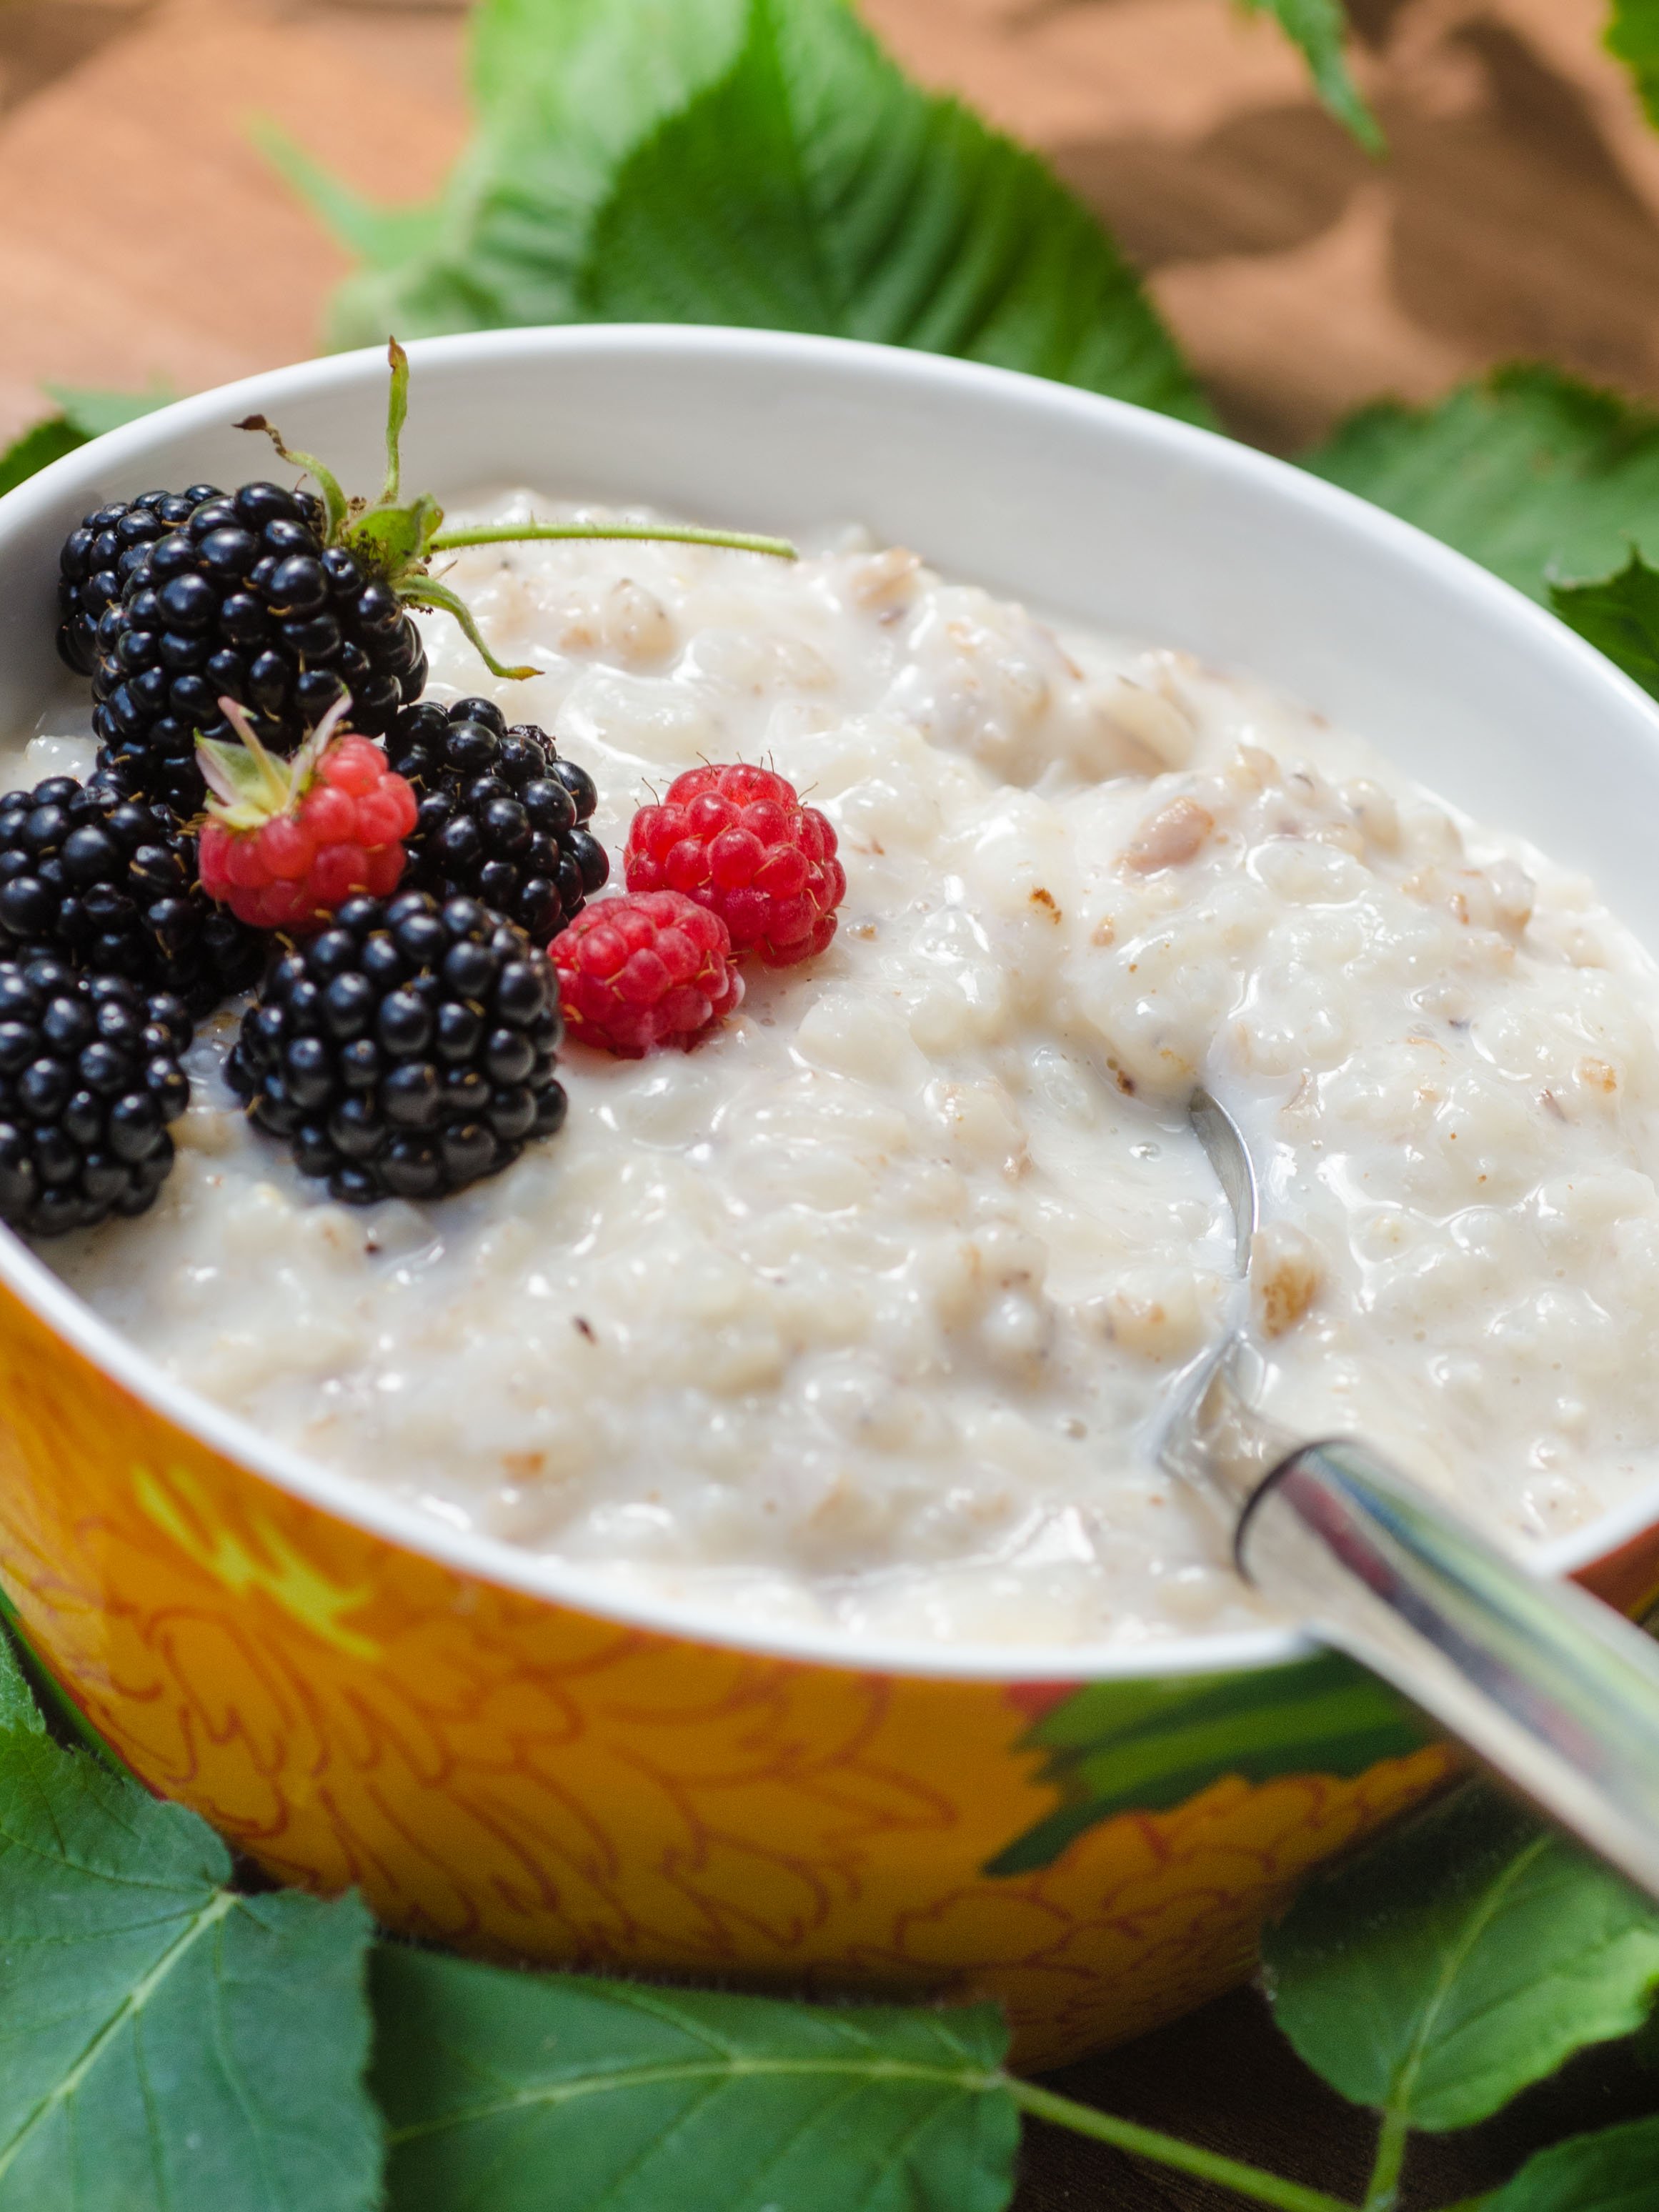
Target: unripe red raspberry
point(646, 968)
point(287, 843)
point(738, 841)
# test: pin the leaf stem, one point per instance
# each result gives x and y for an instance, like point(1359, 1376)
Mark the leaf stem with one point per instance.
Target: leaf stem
point(510, 533)
point(1252, 2181)
point(1382, 2190)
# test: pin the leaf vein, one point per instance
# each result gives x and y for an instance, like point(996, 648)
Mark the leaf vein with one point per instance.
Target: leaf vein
point(635, 2077)
point(132, 2005)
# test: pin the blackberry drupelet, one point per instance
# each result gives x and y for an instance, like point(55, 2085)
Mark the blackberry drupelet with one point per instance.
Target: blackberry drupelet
point(109, 884)
point(89, 1080)
point(500, 815)
point(244, 601)
point(101, 552)
point(406, 1051)
point(277, 600)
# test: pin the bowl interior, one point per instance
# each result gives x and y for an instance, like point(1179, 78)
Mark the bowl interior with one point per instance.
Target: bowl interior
point(1092, 510)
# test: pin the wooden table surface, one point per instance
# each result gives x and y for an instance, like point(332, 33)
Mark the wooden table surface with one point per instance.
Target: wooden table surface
point(1518, 214)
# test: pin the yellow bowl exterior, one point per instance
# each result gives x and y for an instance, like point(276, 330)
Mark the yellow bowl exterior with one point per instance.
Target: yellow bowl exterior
point(514, 1777)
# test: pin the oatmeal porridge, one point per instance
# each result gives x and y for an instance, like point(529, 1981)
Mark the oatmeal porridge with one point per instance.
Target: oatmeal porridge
point(862, 1312)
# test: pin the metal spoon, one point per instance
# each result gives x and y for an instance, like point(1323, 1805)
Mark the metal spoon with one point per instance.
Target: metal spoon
point(1555, 1690)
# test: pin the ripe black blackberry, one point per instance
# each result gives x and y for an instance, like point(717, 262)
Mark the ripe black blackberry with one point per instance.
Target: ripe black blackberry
point(500, 815)
point(109, 884)
point(244, 601)
point(100, 554)
point(406, 1051)
point(277, 600)
point(89, 1080)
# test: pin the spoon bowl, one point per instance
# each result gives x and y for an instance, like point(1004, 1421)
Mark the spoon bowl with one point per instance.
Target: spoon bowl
point(1556, 1692)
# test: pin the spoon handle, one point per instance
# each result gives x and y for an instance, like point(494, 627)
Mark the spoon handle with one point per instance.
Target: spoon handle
point(1559, 1693)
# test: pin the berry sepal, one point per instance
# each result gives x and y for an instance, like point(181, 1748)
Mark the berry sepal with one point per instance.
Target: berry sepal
point(248, 786)
point(286, 842)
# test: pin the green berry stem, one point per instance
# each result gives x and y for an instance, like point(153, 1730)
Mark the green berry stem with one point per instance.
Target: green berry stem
point(335, 501)
point(396, 415)
point(397, 539)
point(425, 591)
point(512, 534)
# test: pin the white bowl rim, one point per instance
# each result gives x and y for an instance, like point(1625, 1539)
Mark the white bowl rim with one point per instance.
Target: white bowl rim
point(352, 1499)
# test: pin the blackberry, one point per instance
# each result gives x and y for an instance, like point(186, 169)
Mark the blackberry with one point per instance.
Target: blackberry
point(278, 601)
point(500, 815)
point(245, 601)
point(406, 1051)
point(109, 884)
point(100, 554)
point(89, 1080)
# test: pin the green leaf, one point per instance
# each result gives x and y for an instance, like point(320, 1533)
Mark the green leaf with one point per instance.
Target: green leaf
point(92, 412)
point(813, 188)
point(31, 1697)
point(563, 90)
point(1457, 1961)
point(517, 2092)
point(1616, 2170)
point(381, 236)
point(1619, 616)
point(165, 2045)
point(47, 442)
point(82, 416)
point(1148, 1746)
point(1632, 33)
point(1319, 28)
point(759, 162)
point(1527, 472)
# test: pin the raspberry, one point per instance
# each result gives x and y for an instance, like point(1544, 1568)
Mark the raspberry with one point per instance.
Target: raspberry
point(738, 841)
point(287, 843)
point(647, 968)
